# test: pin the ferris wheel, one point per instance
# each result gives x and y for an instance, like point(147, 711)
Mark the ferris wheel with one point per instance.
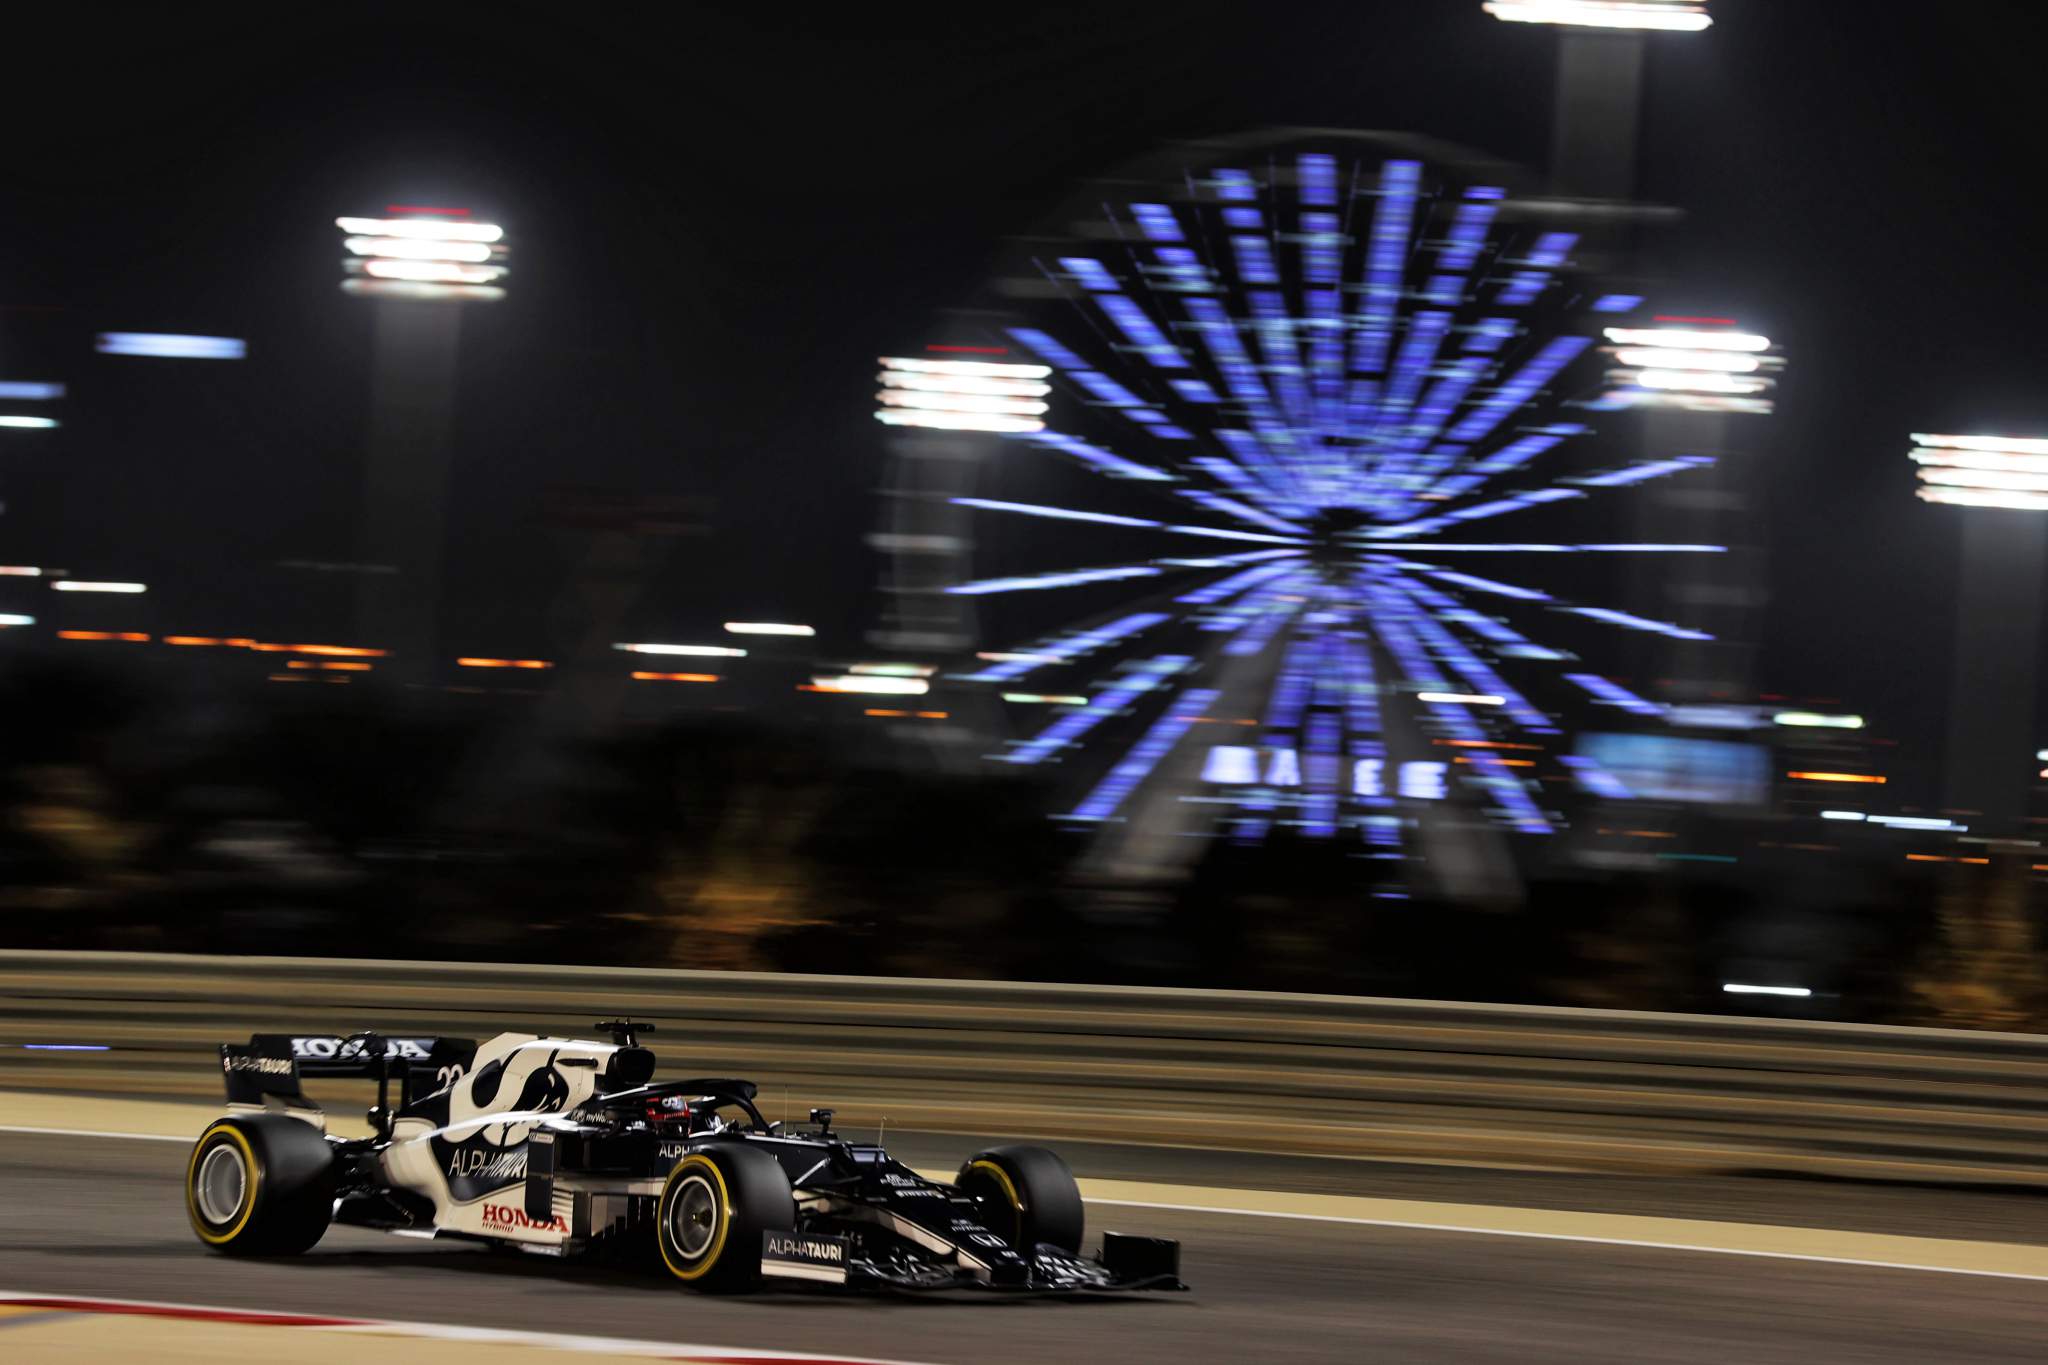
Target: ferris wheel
point(1267, 494)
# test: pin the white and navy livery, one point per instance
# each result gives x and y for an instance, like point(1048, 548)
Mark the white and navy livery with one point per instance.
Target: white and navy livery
point(565, 1146)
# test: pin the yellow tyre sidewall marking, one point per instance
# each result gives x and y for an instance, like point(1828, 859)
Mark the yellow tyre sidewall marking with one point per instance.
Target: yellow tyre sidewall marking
point(249, 1163)
point(694, 1162)
point(1002, 1178)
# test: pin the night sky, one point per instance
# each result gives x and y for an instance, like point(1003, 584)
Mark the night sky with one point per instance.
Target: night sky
point(719, 216)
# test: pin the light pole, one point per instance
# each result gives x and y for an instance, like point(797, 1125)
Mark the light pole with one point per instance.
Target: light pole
point(417, 264)
point(944, 411)
point(1692, 375)
point(1599, 83)
point(2000, 480)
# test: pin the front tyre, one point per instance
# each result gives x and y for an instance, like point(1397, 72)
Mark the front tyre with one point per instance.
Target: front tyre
point(1028, 1195)
point(714, 1208)
point(260, 1186)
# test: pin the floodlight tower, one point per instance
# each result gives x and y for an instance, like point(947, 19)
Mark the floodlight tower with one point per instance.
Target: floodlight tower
point(418, 264)
point(1691, 376)
point(944, 410)
point(1991, 709)
point(1599, 82)
point(1688, 373)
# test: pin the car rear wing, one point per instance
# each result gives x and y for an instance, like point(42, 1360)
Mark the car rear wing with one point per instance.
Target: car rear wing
point(268, 1070)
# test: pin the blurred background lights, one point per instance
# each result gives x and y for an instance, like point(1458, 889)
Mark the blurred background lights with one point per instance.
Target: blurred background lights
point(1983, 471)
point(1817, 720)
point(864, 682)
point(1697, 364)
point(1679, 16)
point(10, 619)
point(27, 423)
point(426, 254)
point(170, 346)
point(962, 395)
point(892, 670)
point(705, 651)
point(81, 585)
point(23, 391)
point(766, 628)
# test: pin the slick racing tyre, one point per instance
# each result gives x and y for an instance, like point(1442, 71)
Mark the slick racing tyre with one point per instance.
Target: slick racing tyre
point(260, 1186)
point(714, 1208)
point(1027, 1194)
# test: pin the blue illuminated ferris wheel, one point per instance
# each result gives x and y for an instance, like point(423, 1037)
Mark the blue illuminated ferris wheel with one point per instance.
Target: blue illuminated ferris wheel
point(1268, 492)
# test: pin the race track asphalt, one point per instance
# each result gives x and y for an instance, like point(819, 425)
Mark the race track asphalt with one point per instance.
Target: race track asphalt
point(101, 1216)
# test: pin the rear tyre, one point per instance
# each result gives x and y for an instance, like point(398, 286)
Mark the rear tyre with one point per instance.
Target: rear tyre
point(714, 1208)
point(260, 1186)
point(1028, 1195)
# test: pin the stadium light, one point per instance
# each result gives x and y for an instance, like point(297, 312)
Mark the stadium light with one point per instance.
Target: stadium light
point(892, 670)
point(705, 651)
point(437, 254)
point(1983, 471)
point(1460, 698)
point(27, 423)
point(766, 628)
point(169, 346)
point(962, 395)
point(1674, 16)
point(10, 619)
point(1690, 366)
point(1817, 720)
point(81, 585)
point(865, 682)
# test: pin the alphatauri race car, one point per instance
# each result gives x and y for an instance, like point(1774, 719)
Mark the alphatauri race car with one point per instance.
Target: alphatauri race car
point(559, 1146)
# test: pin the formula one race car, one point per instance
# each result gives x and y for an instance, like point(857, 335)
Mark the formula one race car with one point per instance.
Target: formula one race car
point(558, 1146)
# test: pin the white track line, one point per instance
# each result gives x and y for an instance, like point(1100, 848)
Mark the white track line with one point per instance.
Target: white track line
point(97, 1133)
point(554, 1341)
point(1576, 1237)
point(1395, 1223)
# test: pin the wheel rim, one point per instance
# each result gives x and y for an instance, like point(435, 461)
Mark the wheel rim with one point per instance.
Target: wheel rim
point(693, 1217)
point(221, 1186)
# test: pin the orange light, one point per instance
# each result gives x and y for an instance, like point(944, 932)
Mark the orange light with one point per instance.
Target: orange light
point(931, 715)
point(1486, 744)
point(192, 640)
point(1649, 834)
point(1836, 777)
point(339, 651)
point(675, 677)
point(133, 636)
point(883, 711)
point(1925, 858)
point(288, 677)
point(1981, 862)
point(298, 663)
point(341, 667)
point(1503, 762)
point(1224, 720)
point(504, 663)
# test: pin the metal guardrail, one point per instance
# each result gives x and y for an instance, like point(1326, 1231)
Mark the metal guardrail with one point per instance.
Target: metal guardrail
point(1225, 1070)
